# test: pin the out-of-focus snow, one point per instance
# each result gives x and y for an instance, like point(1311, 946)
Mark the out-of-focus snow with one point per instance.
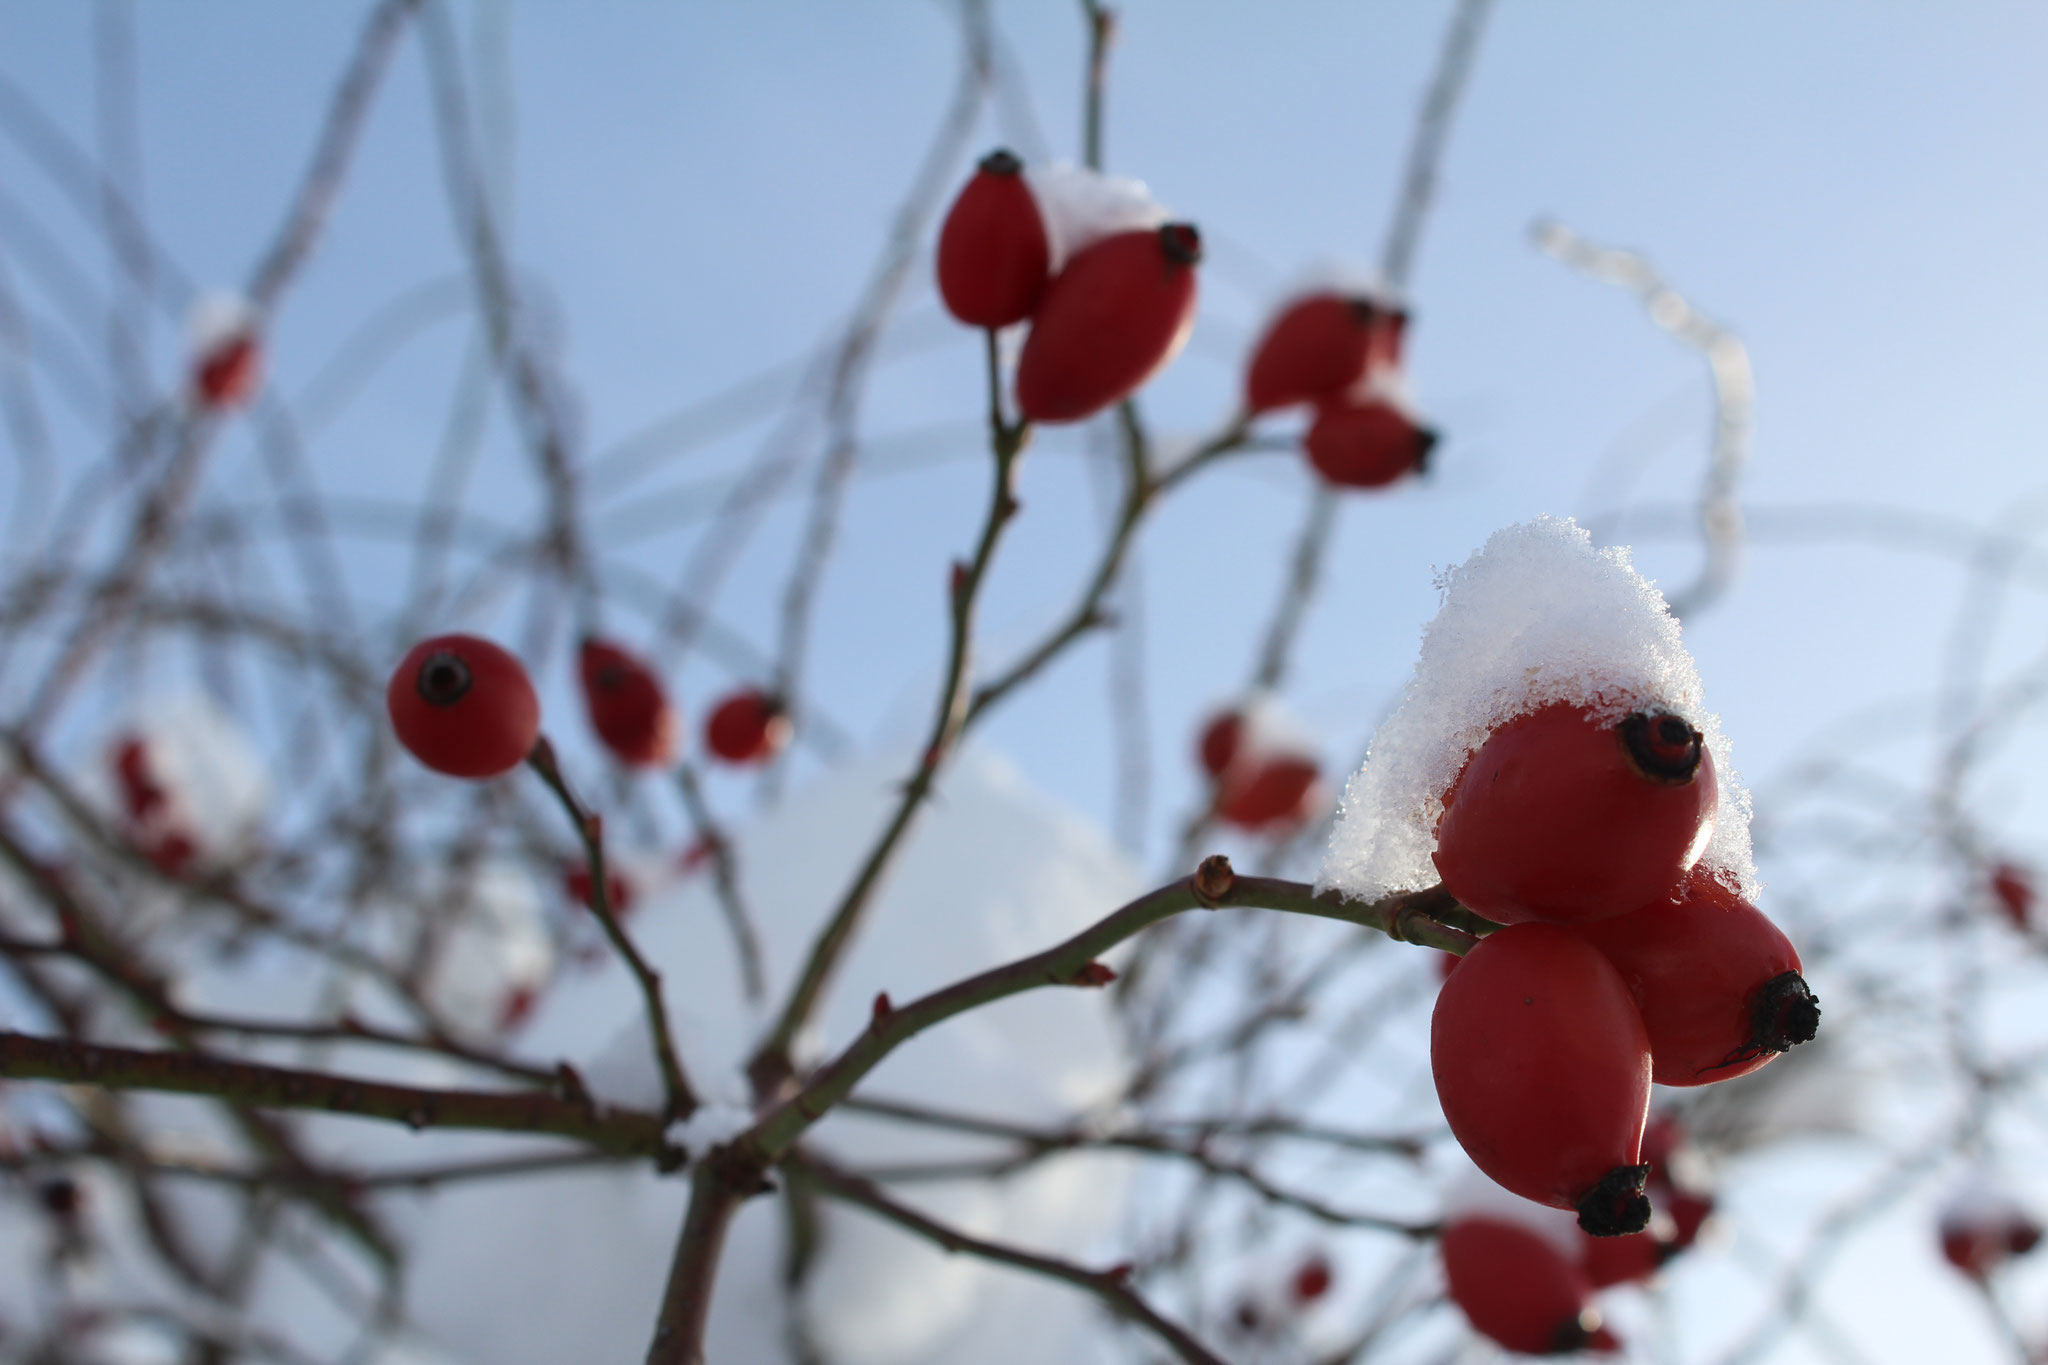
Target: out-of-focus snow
point(490, 947)
point(570, 1266)
point(215, 786)
point(1980, 1201)
point(216, 319)
point(1469, 1193)
point(1080, 207)
point(1537, 616)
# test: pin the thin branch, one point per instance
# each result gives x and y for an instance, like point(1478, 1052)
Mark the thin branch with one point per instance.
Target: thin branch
point(589, 828)
point(27, 1058)
point(1111, 1286)
point(725, 880)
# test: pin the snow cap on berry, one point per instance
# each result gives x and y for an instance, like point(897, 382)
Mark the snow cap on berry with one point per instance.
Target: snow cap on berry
point(216, 319)
point(1469, 1193)
point(1538, 616)
point(1082, 206)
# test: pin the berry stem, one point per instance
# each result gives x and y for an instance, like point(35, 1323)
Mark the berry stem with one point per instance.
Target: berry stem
point(682, 1100)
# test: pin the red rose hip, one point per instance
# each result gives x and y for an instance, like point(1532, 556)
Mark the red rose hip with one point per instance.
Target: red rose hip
point(1109, 321)
point(463, 707)
point(1561, 817)
point(1716, 982)
point(1317, 347)
point(1519, 1289)
point(628, 708)
point(1221, 739)
point(747, 727)
point(227, 375)
point(1367, 445)
point(1543, 1071)
point(993, 254)
point(1269, 792)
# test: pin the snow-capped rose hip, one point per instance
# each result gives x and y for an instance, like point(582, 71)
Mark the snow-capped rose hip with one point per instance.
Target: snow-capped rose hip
point(1275, 790)
point(994, 257)
point(628, 708)
point(1560, 816)
point(1110, 320)
point(747, 727)
point(1367, 444)
point(1982, 1227)
point(1519, 1289)
point(1716, 982)
point(1543, 1071)
point(1317, 347)
point(463, 707)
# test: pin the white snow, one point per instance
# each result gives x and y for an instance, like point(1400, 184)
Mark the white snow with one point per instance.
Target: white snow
point(1080, 207)
point(1979, 1202)
point(1537, 616)
point(713, 1125)
point(215, 785)
point(492, 943)
point(216, 319)
point(1470, 1193)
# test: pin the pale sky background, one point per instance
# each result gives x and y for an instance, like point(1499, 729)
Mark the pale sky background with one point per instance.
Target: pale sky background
point(1854, 189)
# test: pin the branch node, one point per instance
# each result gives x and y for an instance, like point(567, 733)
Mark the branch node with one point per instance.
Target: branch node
point(1213, 881)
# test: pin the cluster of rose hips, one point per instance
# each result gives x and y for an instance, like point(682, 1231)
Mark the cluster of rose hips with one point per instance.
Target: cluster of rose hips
point(1257, 783)
point(1113, 315)
point(466, 708)
point(1620, 962)
point(1532, 1291)
point(1981, 1229)
point(1342, 355)
point(1268, 1312)
point(155, 827)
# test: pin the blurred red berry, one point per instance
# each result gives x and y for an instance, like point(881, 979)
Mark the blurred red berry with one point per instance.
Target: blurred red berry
point(1111, 319)
point(518, 1007)
point(628, 708)
point(227, 375)
point(464, 707)
point(994, 258)
point(747, 727)
point(2013, 886)
point(141, 795)
point(1317, 347)
point(1689, 1213)
point(1622, 1260)
point(618, 888)
point(1561, 817)
point(1312, 1279)
point(1221, 739)
point(1275, 791)
point(1543, 1071)
point(1367, 444)
point(1519, 1289)
point(1717, 984)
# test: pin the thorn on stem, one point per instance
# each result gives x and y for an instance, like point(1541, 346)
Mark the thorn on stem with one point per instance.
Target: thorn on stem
point(1094, 974)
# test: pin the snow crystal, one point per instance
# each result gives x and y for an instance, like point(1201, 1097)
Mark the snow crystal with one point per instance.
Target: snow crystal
point(1537, 616)
point(713, 1125)
point(1081, 207)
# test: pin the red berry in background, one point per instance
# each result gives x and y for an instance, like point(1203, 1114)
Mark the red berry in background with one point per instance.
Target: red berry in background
point(628, 708)
point(1221, 739)
point(1317, 347)
point(1109, 321)
point(1632, 1259)
point(994, 257)
point(2013, 886)
point(1518, 1288)
point(463, 707)
point(618, 889)
point(1274, 791)
point(1689, 1213)
point(747, 727)
point(1561, 817)
point(226, 376)
point(1367, 445)
point(1312, 1279)
point(142, 796)
point(1982, 1229)
point(1717, 984)
point(1543, 1071)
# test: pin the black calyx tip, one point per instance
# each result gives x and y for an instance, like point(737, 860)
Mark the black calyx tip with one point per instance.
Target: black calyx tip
point(610, 678)
point(1002, 161)
point(1617, 1205)
point(1365, 311)
point(443, 678)
point(1181, 243)
point(1662, 747)
point(1425, 446)
point(1573, 1335)
point(1783, 1014)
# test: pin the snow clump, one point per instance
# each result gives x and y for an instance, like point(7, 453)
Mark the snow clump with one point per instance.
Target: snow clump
point(1538, 616)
